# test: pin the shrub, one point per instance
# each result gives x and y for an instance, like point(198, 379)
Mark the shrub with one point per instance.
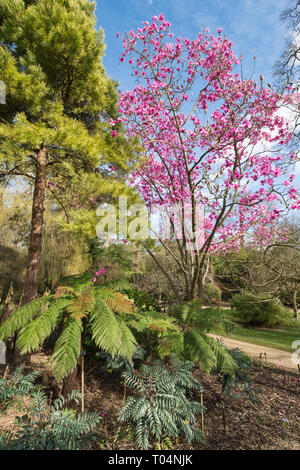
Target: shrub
point(142, 300)
point(212, 294)
point(50, 426)
point(258, 311)
point(17, 385)
point(160, 409)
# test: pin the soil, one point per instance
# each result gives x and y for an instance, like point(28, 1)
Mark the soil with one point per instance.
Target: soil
point(273, 423)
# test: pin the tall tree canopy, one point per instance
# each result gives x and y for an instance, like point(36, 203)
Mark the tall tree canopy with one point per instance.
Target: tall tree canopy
point(55, 123)
point(213, 139)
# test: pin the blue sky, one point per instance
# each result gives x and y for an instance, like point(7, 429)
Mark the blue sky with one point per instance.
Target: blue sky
point(253, 26)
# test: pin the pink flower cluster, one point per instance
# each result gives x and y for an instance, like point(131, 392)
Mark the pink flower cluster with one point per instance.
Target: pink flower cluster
point(210, 137)
point(101, 271)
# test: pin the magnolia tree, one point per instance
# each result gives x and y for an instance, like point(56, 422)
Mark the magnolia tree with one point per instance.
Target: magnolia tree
point(212, 140)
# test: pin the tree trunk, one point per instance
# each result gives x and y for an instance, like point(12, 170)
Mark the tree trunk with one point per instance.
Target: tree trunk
point(35, 245)
point(6, 310)
point(295, 304)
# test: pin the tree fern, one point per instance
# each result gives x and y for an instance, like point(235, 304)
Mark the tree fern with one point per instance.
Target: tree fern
point(128, 343)
point(79, 303)
point(82, 305)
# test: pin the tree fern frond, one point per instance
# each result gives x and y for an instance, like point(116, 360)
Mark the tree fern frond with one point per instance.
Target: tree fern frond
point(82, 305)
point(158, 322)
point(64, 290)
point(35, 332)
point(21, 317)
point(115, 300)
point(198, 351)
point(128, 344)
point(67, 348)
point(106, 331)
point(224, 360)
point(172, 342)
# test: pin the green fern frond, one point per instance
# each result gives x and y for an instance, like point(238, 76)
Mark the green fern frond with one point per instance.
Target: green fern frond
point(35, 332)
point(115, 300)
point(81, 306)
point(198, 351)
point(63, 290)
point(172, 342)
point(67, 348)
point(105, 329)
point(128, 344)
point(161, 323)
point(21, 317)
point(225, 363)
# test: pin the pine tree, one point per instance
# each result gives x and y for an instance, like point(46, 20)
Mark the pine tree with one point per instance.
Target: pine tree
point(55, 123)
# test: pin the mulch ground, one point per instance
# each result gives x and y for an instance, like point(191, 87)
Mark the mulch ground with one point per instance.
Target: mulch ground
point(273, 423)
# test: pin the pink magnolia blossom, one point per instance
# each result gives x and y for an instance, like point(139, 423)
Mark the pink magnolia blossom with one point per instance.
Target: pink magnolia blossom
point(202, 127)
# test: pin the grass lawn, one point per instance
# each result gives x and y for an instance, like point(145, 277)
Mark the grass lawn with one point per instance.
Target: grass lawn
point(281, 338)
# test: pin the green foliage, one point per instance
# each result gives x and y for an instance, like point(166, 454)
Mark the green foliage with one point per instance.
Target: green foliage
point(17, 385)
point(97, 308)
point(198, 347)
point(160, 409)
point(212, 293)
point(59, 97)
point(142, 300)
point(257, 310)
point(51, 426)
point(159, 333)
point(35, 332)
point(67, 348)
point(240, 381)
point(119, 362)
point(22, 316)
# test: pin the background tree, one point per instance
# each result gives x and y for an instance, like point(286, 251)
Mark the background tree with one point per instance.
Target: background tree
point(287, 68)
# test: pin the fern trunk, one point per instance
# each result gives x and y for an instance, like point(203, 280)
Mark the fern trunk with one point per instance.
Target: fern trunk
point(71, 382)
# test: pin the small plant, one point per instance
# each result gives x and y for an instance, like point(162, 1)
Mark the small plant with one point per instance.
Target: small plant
point(258, 311)
point(48, 426)
point(160, 409)
point(17, 385)
point(143, 301)
point(212, 294)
